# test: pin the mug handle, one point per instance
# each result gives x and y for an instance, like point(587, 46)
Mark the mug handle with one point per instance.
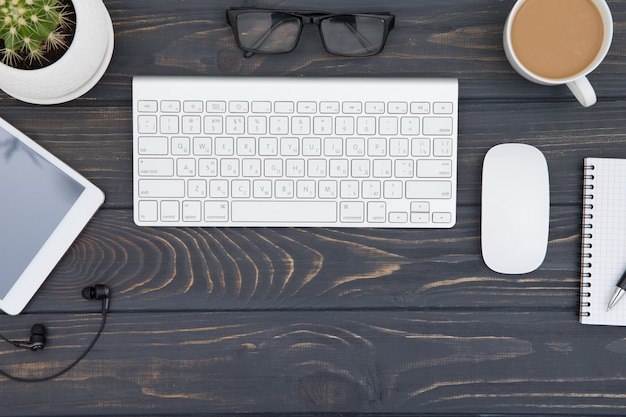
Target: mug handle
point(583, 91)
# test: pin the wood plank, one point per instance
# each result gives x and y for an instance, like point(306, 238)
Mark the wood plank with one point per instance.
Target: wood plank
point(316, 362)
point(444, 38)
point(306, 268)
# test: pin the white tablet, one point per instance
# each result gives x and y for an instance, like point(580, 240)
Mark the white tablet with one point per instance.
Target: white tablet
point(44, 205)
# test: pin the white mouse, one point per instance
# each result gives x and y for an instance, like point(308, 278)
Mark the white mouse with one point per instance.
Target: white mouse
point(515, 215)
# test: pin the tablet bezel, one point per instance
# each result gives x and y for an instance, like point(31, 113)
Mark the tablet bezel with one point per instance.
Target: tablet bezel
point(63, 235)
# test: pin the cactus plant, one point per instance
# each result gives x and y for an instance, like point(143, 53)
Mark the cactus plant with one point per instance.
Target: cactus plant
point(31, 28)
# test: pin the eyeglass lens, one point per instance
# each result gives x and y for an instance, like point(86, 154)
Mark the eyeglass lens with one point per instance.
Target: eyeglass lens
point(275, 32)
point(268, 32)
point(353, 35)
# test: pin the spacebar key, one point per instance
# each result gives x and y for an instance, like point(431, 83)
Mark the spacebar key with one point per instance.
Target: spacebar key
point(284, 211)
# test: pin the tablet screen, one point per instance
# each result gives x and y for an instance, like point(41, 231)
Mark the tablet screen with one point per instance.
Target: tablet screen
point(35, 196)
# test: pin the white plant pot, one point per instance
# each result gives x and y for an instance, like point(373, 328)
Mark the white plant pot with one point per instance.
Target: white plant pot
point(77, 71)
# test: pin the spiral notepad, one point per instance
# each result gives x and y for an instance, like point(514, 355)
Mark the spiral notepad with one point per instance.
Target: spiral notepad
point(603, 254)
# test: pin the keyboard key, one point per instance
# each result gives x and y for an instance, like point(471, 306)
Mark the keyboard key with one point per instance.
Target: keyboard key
point(344, 125)
point(420, 147)
point(442, 108)
point(152, 145)
point(268, 146)
point(307, 107)
point(375, 107)
point(162, 188)
point(213, 125)
point(192, 125)
point(301, 125)
point(420, 107)
point(185, 167)
point(207, 167)
point(279, 125)
point(170, 106)
point(388, 126)
point(355, 147)
point(393, 190)
point(192, 211)
point(366, 126)
point(442, 147)
point(352, 107)
point(420, 217)
point(410, 126)
point(376, 212)
point(235, 125)
point(147, 106)
point(146, 124)
point(377, 147)
point(218, 188)
point(257, 125)
point(148, 210)
point(196, 188)
point(224, 146)
point(170, 211)
point(306, 189)
point(442, 217)
point(285, 212)
point(382, 168)
point(262, 189)
point(311, 146)
point(192, 106)
point(329, 107)
point(156, 167)
point(333, 146)
point(286, 107)
point(327, 189)
point(398, 217)
point(168, 124)
point(216, 107)
point(434, 168)
point(240, 189)
point(238, 107)
point(438, 126)
point(404, 168)
point(322, 125)
point(202, 145)
point(246, 146)
point(396, 107)
point(284, 189)
point(215, 211)
point(428, 189)
point(261, 107)
point(398, 147)
point(181, 145)
point(371, 189)
point(352, 212)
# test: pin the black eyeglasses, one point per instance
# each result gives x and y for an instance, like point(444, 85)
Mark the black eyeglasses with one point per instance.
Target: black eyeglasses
point(278, 31)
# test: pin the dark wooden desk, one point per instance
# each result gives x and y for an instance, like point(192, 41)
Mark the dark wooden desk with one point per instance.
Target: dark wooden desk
point(294, 321)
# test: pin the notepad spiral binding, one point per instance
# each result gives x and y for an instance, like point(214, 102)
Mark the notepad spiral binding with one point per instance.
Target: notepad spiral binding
point(587, 238)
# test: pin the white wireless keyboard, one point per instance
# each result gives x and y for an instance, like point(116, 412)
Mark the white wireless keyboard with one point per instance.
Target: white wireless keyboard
point(331, 152)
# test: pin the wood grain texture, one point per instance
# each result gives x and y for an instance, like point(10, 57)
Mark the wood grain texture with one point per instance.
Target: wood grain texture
point(322, 321)
point(317, 362)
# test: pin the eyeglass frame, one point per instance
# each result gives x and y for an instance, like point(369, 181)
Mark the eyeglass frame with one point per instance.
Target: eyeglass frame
point(308, 17)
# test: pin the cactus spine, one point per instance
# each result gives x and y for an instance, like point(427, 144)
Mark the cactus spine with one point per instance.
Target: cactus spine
point(29, 28)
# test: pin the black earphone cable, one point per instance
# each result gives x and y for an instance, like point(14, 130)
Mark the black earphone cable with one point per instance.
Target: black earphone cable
point(105, 310)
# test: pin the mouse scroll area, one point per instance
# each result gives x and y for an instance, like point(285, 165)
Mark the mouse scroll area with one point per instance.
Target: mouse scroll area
point(515, 209)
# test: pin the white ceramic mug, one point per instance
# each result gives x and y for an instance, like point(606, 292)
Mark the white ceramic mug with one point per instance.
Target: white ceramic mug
point(577, 83)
